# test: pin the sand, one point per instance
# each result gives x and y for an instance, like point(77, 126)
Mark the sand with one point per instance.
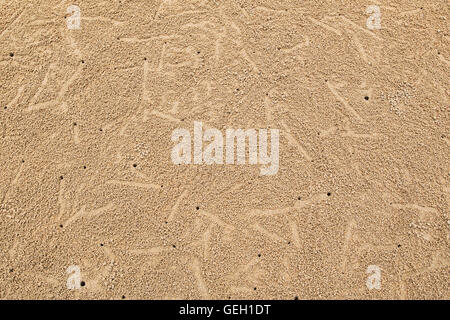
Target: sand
point(92, 206)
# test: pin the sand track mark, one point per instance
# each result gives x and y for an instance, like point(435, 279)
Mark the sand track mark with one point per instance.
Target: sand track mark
point(351, 224)
point(150, 251)
point(88, 214)
point(294, 142)
point(361, 28)
point(176, 205)
point(134, 184)
point(216, 220)
point(12, 183)
point(270, 235)
point(196, 269)
point(103, 19)
point(343, 101)
point(323, 25)
point(13, 22)
point(62, 92)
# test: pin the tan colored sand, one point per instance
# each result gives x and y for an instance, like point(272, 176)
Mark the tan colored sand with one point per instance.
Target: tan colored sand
point(86, 177)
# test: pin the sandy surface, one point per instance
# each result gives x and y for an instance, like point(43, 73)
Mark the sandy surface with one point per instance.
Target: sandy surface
point(86, 177)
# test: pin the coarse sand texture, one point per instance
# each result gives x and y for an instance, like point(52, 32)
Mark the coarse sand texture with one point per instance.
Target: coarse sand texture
point(232, 149)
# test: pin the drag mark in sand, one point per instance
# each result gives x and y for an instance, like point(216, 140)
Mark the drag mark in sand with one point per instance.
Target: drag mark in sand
point(323, 25)
point(176, 205)
point(134, 184)
point(347, 239)
point(13, 21)
point(88, 214)
point(12, 183)
point(272, 236)
point(343, 101)
point(196, 269)
point(294, 142)
point(62, 92)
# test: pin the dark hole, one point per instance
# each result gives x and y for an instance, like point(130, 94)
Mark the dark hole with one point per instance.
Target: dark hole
point(101, 244)
point(198, 208)
point(5, 108)
point(329, 194)
point(134, 165)
point(101, 129)
point(198, 52)
point(259, 255)
point(11, 54)
point(145, 59)
point(299, 198)
point(82, 283)
point(23, 161)
point(74, 123)
point(123, 297)
point(254, 288)
point(366, 98)
point(82, 61)
point(61, 177)
point(174, 246)
point(84, 167)
point(11, 270)
point(60, 225)
point(399, 246)
point(295, 298)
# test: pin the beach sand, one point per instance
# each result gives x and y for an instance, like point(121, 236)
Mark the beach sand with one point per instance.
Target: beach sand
point(92, 206)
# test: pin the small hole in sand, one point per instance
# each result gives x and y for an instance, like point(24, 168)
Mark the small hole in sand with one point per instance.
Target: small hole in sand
point(295, 298)
point(11, 54)
point(61, 177)
point(366, 98)
point(134, 165)
point(60, 225)
point(123, 297)
point(329, 194)
point(82, 283)
point(101, 244)
point(198, 208)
